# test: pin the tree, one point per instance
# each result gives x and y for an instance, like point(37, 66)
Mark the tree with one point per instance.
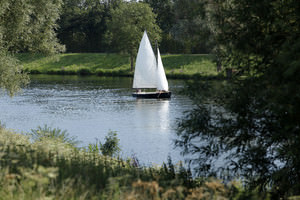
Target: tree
point(164, 11)
point(25, 26)
point(30, 26)
point(252, 123)
point(184, 24)
point(11, 77)
point(190, 27)
point(111, 146)
point(71, 28)
point(83, 24)
point(126, 26)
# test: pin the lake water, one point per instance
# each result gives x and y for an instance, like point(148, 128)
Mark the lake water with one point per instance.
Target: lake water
point(89, 107)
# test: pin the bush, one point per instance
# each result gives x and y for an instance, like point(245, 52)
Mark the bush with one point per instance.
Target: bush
point(52, 133)
point(84, 72)
point(110, 147)
point(48, 169)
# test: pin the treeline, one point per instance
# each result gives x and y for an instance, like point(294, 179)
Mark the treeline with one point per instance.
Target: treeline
point(182, 25)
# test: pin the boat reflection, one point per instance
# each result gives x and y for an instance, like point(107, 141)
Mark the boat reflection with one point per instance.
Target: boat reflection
point(153, 114)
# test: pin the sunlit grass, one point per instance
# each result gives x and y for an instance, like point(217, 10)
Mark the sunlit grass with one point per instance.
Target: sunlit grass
point(176, 66)
point(189, 65)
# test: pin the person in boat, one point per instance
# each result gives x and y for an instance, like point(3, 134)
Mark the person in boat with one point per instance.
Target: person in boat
point(161, 91)
point(138, 90)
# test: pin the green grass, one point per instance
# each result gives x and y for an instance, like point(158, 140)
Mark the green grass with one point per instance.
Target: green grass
point(189, 65)
point(176, 66)
point(82, 64)
point(52, 168)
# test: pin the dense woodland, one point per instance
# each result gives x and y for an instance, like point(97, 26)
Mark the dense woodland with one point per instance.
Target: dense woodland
point(83, 25)
point(254, 119)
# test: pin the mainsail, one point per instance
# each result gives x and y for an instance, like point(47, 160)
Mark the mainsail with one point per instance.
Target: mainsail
point(145, 66)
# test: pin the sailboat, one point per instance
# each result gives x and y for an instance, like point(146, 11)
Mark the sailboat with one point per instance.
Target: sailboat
point(149, 73)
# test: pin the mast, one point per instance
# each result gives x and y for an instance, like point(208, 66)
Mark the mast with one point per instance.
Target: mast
point(156, 51)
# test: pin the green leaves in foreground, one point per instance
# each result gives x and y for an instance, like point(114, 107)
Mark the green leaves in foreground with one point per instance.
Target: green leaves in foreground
point(12, 79)
point(110, 147)
point(47, 168)
point(25, 26)
point(253, 121)
point(46, 132)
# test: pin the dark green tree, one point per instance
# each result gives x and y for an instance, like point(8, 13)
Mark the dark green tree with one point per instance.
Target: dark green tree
point(126, 27)
point(11, 77)
point(25, 26)
point(164, 9)
point(191, 27)
point(30, 26)
point(71, 28)
point(251, 123)
point(83, 24)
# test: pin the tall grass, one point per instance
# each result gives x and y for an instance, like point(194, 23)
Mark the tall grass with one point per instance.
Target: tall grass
point(176, 66)
point(52, 168)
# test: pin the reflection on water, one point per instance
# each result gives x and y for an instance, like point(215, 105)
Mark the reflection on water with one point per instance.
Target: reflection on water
point(152, 114)
point(88, 107)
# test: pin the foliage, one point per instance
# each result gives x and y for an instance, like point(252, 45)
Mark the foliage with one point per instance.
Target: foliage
point(164, 9)
point(252, 124)
point(85, 26)
point(191, 26)
point(51, 169)
point(82, 25)
point(110, 147)
point(46, 132)
point(25, 26)
point(128, 22)
point(29, 26)
point(11, 76)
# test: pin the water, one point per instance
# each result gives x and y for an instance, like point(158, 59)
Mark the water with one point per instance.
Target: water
point(89, 107)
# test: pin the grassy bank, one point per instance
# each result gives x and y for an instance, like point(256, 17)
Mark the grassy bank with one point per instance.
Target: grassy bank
point(176, 66)
point(52, 168)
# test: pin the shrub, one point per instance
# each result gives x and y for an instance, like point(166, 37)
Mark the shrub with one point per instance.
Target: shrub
point(110, 147)
point(84, 72)
point(52, 133)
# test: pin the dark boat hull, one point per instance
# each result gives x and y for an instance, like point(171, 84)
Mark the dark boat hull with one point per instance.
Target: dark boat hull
point(152, 95)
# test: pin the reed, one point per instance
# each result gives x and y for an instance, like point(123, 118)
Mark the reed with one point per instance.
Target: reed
point(50, 166)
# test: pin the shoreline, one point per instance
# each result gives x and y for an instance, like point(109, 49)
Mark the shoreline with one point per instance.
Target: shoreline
point(177, 66)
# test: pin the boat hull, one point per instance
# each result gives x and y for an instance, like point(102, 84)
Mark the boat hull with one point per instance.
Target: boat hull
point(152, 95)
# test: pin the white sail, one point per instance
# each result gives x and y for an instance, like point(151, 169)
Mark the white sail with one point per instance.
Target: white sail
point(145, 66)
point(162, 83)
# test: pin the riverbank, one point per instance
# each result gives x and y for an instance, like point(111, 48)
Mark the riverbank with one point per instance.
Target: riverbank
point(48, 167)
point(176, 66)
